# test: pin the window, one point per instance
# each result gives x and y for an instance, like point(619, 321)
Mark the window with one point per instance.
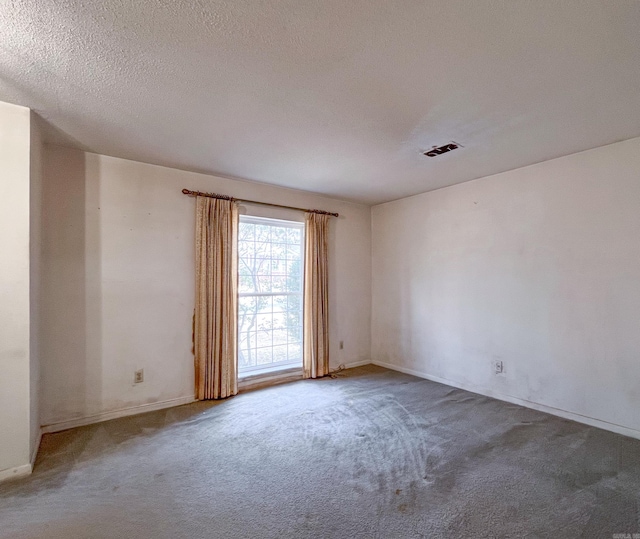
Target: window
point(270, 280)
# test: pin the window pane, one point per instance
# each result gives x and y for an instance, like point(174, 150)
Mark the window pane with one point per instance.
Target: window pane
point(280, 303)
point(294, 235)
point(270, 270)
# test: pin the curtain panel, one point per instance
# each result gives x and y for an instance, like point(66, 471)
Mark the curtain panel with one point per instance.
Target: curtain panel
point(316, 297)
point(215, 321)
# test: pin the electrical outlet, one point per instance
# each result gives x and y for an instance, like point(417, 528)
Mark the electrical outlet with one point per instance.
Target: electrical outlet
point(138, 377)
point(498, 367)
point(341, 345)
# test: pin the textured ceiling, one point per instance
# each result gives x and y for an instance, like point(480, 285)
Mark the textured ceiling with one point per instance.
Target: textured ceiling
point(331, 96)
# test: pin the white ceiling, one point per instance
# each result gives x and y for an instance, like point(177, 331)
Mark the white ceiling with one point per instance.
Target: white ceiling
point(333, 96)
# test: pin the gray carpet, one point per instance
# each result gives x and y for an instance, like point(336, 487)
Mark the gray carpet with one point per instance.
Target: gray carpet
point(371, 454)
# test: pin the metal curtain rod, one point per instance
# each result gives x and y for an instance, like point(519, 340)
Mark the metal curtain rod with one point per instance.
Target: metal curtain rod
point(225, 197)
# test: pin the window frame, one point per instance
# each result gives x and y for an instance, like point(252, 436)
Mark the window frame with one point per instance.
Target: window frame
point(270, 369)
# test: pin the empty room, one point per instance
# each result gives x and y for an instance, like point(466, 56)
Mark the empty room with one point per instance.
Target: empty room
point(320, 269)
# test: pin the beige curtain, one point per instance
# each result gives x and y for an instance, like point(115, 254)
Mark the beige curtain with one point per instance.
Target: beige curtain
point(316, 297)
point(216, 298)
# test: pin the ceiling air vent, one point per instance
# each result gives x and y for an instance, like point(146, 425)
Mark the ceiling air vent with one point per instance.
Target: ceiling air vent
point(439, 150)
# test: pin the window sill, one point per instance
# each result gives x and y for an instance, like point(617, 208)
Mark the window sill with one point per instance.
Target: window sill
point(257, 381)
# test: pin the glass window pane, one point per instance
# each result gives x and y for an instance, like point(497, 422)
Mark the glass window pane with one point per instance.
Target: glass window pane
point(280, 303)
point(294, 352)
point(270, 270)
point(294, 235)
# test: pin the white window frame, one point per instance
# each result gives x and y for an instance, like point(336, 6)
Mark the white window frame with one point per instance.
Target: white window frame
point(283, 223)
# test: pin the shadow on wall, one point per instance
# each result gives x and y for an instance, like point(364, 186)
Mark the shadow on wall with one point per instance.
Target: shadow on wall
point(71, 368)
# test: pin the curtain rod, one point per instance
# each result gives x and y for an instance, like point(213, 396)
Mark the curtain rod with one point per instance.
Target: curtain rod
point(226, 197)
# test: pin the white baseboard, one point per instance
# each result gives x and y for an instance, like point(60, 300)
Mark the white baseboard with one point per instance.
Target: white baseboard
point(14, 473)
point(292, 375)
point(106, 416)
point(357, 364)
point(573, 416)
point(25, 469)
point(34, 453)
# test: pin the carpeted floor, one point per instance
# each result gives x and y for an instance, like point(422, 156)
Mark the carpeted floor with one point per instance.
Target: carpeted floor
point(372, 454)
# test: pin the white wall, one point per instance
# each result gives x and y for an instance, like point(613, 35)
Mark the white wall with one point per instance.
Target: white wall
point(14, 290)
point(118, 290)
point(35, 280)
point(538, 267)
